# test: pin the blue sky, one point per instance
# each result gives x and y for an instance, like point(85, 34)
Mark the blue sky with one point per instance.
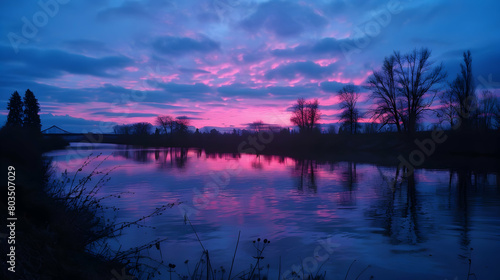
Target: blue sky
point(223, 63)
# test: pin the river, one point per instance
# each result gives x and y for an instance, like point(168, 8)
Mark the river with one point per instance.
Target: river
point(330, 214)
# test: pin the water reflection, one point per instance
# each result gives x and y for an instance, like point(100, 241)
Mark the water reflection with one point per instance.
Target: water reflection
point(349, 181)
point(380, 216)
point(165, 157)
point(304, 174)
point(397, 210)
point(464, 183)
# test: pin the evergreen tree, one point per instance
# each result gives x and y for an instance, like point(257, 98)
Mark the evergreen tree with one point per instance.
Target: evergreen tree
point(31, 109)
point(15, 107)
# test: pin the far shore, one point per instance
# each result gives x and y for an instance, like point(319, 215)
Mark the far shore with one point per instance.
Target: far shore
point(451, 150)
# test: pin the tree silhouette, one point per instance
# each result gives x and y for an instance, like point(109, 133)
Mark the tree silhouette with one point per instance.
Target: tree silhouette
point(401, 87)
point(313, 114)
point(371, 127)
point(448, 110)
point(416, 78)
point(31, 109)
point(496, 116)
point(15, 107)
point(382, 83)
point(125, 129)
point(256, 125)
point(487, 110)
point(142, 128)
point(463, 90)
point(214, 131)
point(165, 122)
point(350, 114)
point(299, 114)
point(181, 124)
point(305, 114)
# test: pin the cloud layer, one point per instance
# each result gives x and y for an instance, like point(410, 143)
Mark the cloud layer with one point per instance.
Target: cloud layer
point(224, 63)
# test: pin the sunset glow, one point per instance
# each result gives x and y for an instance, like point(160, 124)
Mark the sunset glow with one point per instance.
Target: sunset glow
point(221, 67)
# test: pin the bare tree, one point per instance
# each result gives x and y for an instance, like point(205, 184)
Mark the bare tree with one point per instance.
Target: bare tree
point(497, 115)
point(332, 129)
point(125, 129)
point(313, 114)
point(448, 110)
point(416, 78)
point(299, 117)
point(401, 88)
point(181, 124)
point(350, 114)
point(371, 128)
point(164, 122)
point(305, 114)
point(463, 92)
point(487, 111)
point(384, 89)
point(142, 128)
point(256, 125)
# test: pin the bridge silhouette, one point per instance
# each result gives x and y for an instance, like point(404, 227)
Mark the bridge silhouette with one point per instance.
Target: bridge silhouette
point(55, 131)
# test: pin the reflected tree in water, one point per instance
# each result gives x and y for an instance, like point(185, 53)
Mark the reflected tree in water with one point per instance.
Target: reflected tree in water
point(256, 163)
point(260, 160)
point(464, 183)
point(157, 154)
point(141, 156)
point(138, 155)
point(165, 157)
point(227, 156)
point(398, 211)
point(349, 179)
point(178, 158)
point(467, 185)
point(305, 174)
point(349, 176)
point(199, 153)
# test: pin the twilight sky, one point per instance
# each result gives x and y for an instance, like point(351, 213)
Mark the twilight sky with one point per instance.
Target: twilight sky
point(223, 63)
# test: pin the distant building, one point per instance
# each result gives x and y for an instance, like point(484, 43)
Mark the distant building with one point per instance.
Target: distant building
point(55, 130)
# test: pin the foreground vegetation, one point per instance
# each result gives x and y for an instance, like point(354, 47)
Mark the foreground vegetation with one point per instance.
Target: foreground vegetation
point(61, 232)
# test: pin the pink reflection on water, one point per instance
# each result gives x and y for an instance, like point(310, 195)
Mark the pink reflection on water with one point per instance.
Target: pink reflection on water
point(261, 199)
point(294, 203)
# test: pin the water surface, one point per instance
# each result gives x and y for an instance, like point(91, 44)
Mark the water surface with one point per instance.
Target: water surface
point(424, 226)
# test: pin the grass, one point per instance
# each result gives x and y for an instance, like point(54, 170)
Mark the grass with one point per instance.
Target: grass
point(204, 269)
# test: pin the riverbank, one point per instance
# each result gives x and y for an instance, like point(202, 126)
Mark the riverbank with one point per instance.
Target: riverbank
point(298, 203)
point(48, 228)
point(444, 150)
point(51, 236)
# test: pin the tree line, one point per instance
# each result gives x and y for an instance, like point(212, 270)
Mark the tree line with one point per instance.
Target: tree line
point(403, 90)
point(165, 125)
point(23, 113)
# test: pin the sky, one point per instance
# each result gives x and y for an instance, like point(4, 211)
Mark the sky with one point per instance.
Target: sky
point(223, 63)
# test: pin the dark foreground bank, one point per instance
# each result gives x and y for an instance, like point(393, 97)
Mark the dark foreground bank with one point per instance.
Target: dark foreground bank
point(49, 236)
